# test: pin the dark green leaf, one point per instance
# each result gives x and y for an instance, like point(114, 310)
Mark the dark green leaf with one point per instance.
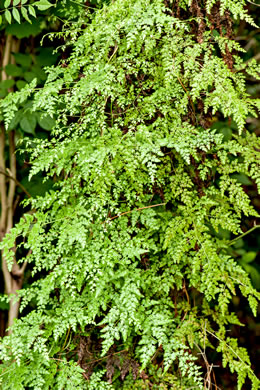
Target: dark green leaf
point(46, 56)
point(242, 178)
point(36, 186)
point(239, 243)
point(227, 132)
point(3, 93)
point(16, 119)
point(23, 59)
point(28, 123)
point(20, 84)
point(29, 76)
point(4, 305)
point(249, 257)
point(24, 30)
point(46, 122)
point(41, 75)
point(13, 70)
point(255, 276)
point(215, 33)
point(7, 84)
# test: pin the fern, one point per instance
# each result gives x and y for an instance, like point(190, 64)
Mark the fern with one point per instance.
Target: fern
point(144, 182)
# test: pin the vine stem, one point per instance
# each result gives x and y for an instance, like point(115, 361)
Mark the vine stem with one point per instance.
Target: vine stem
point(16, 181)
point(243, 235)
point(128, 212)
point(229, 347)
point(251, 2)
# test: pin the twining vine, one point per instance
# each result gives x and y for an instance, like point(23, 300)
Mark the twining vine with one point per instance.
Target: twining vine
point(133, 280)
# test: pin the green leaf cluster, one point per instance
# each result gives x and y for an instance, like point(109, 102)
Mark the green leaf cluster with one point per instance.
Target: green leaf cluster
point(16, 10)
point(125, 249)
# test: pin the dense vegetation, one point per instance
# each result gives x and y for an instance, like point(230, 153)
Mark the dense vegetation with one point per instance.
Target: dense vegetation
point(131, 244)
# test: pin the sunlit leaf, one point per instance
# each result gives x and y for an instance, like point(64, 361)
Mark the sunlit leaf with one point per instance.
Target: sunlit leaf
point(8, 16)
point(42, 5)
point(16, 15)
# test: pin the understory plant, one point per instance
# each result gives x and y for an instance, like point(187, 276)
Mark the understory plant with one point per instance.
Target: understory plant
point(132, 275)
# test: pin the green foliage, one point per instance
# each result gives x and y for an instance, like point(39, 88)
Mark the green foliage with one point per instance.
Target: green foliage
point(27, 70)
point(144, 184)
point(26, 12)
point(17, 9)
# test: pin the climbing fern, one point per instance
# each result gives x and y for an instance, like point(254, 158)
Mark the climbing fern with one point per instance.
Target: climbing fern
point(129, 266)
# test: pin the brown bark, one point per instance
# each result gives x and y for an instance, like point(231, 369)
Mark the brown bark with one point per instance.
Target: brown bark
point(13, 280)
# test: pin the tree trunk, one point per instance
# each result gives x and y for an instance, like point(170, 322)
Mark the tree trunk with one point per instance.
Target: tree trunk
point(13, 280)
